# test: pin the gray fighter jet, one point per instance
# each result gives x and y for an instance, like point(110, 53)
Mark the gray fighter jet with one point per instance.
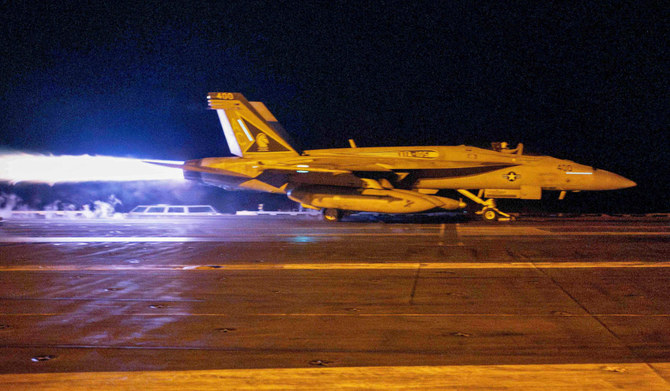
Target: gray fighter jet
point(381, 179)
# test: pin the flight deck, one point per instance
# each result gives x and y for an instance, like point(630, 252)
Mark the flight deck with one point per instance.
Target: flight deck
point(240, 302)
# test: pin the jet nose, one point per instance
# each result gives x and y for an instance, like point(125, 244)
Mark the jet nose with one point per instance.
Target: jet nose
point(625, 183)
point(605, 180)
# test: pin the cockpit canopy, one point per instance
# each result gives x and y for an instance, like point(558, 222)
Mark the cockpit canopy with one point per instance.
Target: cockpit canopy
point(502, 146)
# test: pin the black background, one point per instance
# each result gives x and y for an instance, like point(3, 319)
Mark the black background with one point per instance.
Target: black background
point(587, 82)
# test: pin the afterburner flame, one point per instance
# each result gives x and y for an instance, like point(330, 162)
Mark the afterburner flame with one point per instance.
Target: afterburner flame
point(24, 167)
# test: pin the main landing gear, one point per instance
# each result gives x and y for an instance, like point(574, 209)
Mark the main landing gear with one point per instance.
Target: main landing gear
point(489, 211)
point(332, 214)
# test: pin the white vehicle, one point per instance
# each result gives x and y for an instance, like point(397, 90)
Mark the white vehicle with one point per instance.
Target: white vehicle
point(172, 210)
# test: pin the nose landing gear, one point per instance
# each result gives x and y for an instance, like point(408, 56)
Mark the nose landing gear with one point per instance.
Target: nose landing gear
point(489, 211)
point(488, 214)
point(493, 214)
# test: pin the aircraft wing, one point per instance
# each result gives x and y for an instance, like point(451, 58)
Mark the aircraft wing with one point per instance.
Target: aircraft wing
point(365, 172)
point(367, 164)
point(359, 172)
point(359, 167)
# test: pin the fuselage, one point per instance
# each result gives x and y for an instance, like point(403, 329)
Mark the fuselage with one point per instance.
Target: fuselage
point(380, 179)
point(417, 168)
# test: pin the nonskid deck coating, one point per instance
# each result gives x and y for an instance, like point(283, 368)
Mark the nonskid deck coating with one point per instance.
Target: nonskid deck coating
point(294, 293)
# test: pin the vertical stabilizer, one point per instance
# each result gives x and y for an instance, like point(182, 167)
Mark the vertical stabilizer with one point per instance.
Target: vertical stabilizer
point(249, 127)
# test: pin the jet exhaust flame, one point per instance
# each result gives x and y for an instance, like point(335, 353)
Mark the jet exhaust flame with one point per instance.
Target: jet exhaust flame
point(50, 169)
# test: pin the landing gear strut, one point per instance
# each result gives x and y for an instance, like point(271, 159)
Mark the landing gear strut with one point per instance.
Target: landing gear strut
point(332, 214)
point(489, 211)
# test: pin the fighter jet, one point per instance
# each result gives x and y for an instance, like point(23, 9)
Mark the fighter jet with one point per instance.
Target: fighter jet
point(381, 179)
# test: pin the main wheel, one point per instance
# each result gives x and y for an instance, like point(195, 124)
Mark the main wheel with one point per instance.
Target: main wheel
point(489, 214)
point(332, 214)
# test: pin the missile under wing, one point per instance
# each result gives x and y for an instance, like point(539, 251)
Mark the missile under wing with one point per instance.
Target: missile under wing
point(380, 179)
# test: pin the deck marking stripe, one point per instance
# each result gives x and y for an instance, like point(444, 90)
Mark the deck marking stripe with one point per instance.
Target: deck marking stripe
point(533, 377)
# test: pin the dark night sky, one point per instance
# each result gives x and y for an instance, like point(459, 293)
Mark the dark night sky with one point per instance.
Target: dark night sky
point(587, 82)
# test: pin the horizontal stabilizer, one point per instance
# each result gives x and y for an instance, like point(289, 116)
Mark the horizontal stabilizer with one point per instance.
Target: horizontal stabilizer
point(191, 167)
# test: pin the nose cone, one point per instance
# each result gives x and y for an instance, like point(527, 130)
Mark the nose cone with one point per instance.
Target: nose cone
point(605, 180)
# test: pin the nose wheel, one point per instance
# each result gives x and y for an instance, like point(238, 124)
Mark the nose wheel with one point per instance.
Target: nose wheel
point(489, 214)
point(493, 214)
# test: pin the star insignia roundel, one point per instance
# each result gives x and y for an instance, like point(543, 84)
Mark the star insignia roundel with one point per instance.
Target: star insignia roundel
point(512, 176)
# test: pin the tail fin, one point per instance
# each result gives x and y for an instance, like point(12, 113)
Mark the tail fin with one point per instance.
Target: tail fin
point(249, 127)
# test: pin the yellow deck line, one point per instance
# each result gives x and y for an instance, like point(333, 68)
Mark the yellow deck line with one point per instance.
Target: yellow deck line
point(608, 376)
